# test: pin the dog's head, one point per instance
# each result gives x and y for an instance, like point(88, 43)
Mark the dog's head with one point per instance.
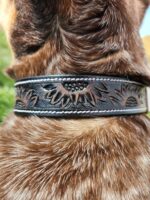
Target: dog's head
point(75, 36)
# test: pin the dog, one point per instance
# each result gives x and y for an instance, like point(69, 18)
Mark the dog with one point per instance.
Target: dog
point(102, 158)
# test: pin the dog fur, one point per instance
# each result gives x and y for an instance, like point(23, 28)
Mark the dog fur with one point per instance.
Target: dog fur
point(88, 159)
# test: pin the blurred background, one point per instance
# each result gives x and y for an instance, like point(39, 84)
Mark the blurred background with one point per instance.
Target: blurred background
point(6, 85)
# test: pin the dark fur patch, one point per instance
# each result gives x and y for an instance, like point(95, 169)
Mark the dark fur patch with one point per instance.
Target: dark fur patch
point(35, 23)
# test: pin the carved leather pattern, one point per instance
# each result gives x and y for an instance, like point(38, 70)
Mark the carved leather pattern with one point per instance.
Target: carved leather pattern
point(80, 96)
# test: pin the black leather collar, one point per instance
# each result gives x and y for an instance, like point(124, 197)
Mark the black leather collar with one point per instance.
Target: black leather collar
point(79, 96)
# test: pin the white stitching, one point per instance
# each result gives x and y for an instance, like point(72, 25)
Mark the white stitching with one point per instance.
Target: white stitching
point(144, 109)
point(73, 79)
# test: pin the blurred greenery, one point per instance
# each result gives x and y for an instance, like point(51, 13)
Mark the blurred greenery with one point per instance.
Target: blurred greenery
point(6, 85)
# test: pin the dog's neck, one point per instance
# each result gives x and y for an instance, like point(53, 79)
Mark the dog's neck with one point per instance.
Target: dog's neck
point(82, 38)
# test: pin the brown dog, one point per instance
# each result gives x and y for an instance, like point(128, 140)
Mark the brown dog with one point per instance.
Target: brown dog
point(101, 158)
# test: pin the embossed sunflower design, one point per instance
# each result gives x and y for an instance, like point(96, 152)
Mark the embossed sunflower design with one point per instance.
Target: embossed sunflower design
point(74, 93)
point(26, 98)
point(128, 96)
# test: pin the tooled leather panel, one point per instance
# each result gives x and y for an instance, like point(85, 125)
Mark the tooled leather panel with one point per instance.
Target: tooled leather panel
point(79, 96)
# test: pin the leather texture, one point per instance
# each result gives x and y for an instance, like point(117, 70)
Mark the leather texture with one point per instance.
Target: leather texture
point(75, 96)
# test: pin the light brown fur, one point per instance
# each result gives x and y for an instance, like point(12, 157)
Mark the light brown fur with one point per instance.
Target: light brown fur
point(88, 159)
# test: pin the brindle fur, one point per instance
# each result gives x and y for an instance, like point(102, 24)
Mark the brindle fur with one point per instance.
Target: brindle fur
point(88, 159)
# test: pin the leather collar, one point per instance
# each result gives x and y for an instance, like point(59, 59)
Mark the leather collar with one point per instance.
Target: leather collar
point(76, 96)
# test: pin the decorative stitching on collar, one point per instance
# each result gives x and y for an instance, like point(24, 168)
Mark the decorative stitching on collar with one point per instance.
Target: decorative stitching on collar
point(79, 111)
point(72, 79)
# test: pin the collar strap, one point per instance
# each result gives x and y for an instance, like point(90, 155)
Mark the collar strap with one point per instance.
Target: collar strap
point(79, 96)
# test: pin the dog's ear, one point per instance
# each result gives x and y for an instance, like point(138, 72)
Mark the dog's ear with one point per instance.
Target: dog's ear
point(29, 32)
point(33, 24)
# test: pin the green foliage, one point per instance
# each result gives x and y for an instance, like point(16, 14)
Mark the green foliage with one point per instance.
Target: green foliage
point(6, 84)
point(6, 101)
